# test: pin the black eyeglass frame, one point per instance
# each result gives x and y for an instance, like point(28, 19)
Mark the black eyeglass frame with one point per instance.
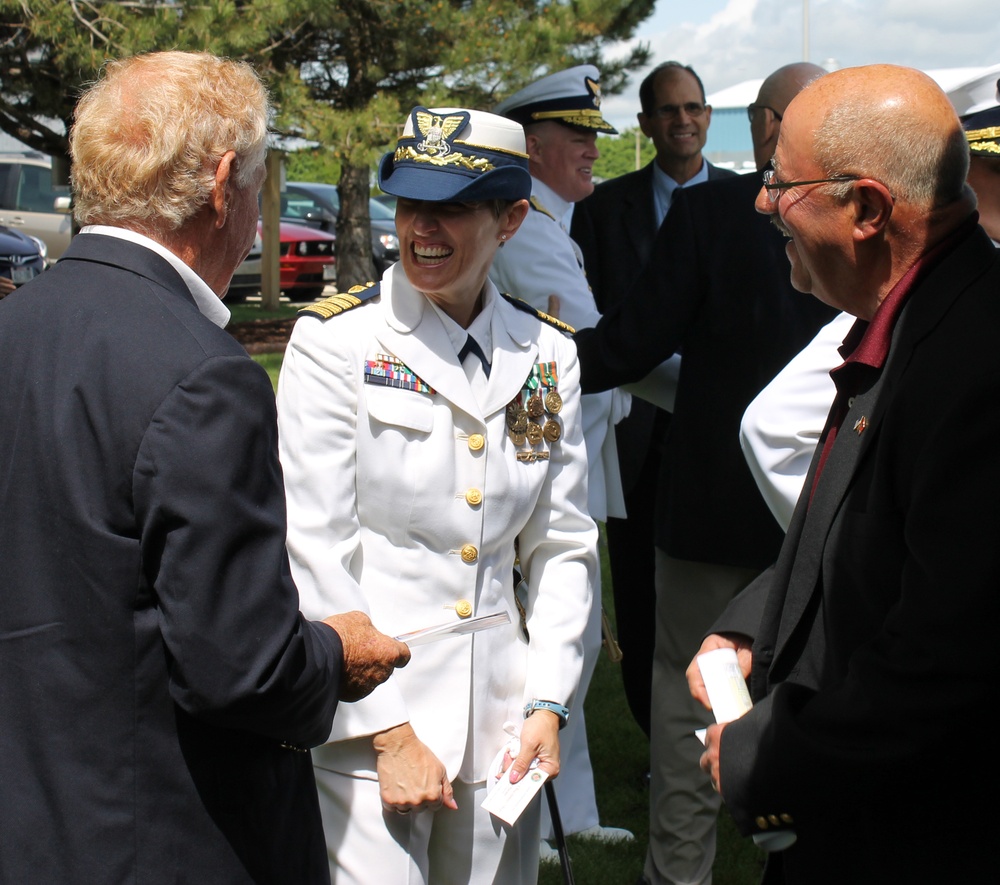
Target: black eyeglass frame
point(773, 187)
point(752, 108)
point(670, 111)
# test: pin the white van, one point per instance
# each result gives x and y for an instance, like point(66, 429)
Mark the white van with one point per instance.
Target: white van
point(31, 203)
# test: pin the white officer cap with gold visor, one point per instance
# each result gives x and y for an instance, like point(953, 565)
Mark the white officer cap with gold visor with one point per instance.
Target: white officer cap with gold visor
point(571, 97)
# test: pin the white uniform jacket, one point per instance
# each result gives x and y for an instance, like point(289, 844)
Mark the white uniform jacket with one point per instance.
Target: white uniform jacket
point(404, 501)
point(540, 260)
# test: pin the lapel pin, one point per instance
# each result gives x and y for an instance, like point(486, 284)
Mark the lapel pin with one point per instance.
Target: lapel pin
point(860, 425)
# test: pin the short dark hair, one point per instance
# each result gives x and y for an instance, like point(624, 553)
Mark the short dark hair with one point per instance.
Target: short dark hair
point(646, 86)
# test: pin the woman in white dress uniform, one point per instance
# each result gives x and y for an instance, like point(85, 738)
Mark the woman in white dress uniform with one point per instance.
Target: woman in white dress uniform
point(416, 473)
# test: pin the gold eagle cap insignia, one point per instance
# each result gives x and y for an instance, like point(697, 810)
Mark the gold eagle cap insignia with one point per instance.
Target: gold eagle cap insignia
point(595, 91)
point(436, 130)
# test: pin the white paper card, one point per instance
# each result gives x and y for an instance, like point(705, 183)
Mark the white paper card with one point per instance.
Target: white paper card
point(454, 628)
point(504, 799)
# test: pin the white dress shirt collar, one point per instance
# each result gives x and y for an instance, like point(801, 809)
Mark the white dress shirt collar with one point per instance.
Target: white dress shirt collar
point(207, 301)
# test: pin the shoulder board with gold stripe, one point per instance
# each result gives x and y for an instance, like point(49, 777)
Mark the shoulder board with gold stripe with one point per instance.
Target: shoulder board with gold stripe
point(535, 204)
point(520, 304)
point(342, 301)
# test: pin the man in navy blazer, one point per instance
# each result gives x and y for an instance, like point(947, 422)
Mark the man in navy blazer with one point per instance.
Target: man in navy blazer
point(717, 288)
point(615, 228)
point(159, 688)
point(868, 645)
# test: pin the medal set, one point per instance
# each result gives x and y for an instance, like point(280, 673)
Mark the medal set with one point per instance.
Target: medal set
point(532, 414)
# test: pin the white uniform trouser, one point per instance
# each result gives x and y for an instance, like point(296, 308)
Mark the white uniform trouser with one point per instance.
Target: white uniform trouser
point(683, 807)
point(574, 788)
point(369, 846)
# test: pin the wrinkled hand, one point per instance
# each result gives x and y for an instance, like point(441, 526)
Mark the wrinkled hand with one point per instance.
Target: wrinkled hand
point(369, 656)
point(539, 740)
point(410, 776)
point(717, 640)
point(710, 758)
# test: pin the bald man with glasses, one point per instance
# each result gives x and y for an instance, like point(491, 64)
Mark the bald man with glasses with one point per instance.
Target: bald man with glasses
point(863, 645)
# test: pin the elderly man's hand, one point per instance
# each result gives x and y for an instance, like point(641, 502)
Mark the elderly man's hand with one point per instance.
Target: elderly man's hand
point(744, 654)
point(369, 656)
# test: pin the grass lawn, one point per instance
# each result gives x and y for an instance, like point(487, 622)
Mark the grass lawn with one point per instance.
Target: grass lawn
point(619, 753)
point(251, 310)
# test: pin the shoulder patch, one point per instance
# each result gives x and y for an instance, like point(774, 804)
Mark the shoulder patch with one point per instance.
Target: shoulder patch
point(535, 204)
point(520, 304)
point(342, 301)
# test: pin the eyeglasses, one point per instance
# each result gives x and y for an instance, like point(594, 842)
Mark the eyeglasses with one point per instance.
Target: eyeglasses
point(753, 108)
point(670, 111)
point(775, 187)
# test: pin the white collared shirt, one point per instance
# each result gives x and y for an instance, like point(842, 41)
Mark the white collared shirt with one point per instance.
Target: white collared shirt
point(207, 301)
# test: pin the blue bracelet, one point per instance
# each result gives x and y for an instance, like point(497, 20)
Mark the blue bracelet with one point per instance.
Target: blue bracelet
point(561, 711)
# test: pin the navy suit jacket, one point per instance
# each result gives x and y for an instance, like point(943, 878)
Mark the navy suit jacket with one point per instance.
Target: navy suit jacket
point(153, 661)
point(615, 228)
point(872, 679)
point(717, 289)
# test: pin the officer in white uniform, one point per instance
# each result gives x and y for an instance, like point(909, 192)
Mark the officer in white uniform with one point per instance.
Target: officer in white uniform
point(416, 471)
point(561, 115)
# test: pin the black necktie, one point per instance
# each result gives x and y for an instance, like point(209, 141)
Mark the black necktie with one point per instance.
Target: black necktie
point(471, 346)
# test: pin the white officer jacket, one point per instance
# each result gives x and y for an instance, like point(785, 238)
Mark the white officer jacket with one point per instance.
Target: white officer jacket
point(382, 485)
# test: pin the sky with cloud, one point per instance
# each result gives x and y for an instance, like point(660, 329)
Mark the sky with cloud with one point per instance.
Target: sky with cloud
point(729, 41)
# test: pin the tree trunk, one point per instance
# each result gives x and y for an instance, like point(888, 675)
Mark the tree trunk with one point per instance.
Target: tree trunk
point(354, 239)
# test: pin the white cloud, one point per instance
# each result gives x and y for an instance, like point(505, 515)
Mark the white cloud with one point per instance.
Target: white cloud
point(748, 39)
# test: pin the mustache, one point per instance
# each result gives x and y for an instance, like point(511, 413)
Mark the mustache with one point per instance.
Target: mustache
point(779, 224)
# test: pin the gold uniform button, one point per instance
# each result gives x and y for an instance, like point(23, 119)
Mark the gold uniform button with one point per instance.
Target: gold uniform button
point(477, 441)
point(463, 608)
point(469, 553)
point(787, 819)
point(773, 818)
point(761, 822)
point(474, 497)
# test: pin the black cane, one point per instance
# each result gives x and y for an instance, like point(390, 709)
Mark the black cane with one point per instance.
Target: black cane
point(567, 867)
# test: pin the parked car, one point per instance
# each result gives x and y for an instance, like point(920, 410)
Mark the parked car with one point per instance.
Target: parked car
point(21, 257)
point(316, 204)
point(31, 203)
point(247, 279)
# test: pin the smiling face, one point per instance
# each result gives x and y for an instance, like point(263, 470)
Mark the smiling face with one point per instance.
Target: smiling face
point(677, 136)
point(563, 157)
point(446, 249)
point(816, 221)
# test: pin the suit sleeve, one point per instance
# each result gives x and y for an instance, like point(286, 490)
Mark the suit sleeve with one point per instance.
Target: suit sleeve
point(210, 505)
point(648, 325)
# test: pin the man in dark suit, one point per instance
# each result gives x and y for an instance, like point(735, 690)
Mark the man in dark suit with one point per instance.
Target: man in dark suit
point(615, 227)
point(716, 286)
point(159, 687)
point(864, 645)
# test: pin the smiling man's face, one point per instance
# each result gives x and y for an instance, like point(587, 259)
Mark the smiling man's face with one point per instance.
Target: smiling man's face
point(678, 137)
point(563, 158)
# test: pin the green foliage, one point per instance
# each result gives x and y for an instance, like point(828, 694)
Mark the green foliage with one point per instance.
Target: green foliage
point(618, 153)
point(316, 164)
point(50, 49)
